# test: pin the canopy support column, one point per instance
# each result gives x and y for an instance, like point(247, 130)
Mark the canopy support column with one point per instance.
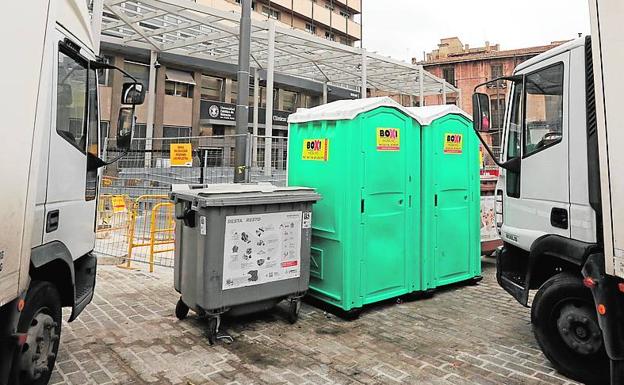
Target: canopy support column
point(151, 108)
point(325, 93)
point(242, 100)
point(268, 131)
point(256, 107)
point(364, 80)
point(443, 92)
point(421, 86)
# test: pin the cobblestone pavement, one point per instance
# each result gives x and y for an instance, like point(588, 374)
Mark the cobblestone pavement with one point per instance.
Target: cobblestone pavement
point(463, 335)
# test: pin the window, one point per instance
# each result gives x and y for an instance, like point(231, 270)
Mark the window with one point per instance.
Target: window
point(498, 113)
point(448, 74)
point(212, 157)
point(344, 14)
point(212, 88)
point(289, 100)
point(104, 130)
point(310, 28)
point(139, 70)
point(496, 71)
point(515, 123)
point(176, 132)
point(270, 13)
point(93, 147)
point(329, 6)
point(71, 95)
point(513, 140)
point(177, 89)
point(104, 78)
point(544, 109)
point(330, 36)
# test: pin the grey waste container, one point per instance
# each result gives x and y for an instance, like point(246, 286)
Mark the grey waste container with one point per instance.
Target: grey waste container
point(241, 248)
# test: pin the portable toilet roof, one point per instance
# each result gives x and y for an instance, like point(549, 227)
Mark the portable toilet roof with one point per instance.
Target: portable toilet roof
point(347, 109)
point(426, 115)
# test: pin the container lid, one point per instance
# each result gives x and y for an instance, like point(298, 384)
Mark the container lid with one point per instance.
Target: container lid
point(426, 115)
point(242, 194)
point(346, 109)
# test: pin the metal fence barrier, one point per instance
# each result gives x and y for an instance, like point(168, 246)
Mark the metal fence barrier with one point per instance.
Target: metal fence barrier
point(141, 229)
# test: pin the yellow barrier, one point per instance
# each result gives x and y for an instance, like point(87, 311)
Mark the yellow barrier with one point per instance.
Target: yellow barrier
point(112, 214)
point(168, 231)
point(140, 235)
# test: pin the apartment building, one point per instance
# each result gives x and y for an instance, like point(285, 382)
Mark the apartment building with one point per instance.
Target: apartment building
point(465, 67)
point(335, 20)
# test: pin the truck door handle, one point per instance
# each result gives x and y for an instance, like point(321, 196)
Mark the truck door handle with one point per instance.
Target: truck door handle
point(52, 221)
point(559, 218)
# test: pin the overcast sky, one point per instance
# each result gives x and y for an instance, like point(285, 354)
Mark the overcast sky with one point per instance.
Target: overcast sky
point(405, 28)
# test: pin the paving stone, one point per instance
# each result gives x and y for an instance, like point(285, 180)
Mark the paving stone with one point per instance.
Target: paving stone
point(463, 335)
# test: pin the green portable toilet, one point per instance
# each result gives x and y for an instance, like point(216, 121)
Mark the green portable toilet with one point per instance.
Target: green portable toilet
point(363, 157)
point(451, 249)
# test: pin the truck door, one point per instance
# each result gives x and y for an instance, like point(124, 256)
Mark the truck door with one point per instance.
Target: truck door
point(71, 190)
point(537, 198)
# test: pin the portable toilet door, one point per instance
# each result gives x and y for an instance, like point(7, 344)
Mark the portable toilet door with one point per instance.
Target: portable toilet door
point(450, 221)
point(389, 191)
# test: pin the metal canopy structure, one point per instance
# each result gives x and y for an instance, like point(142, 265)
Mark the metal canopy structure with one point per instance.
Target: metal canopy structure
point(186, 28)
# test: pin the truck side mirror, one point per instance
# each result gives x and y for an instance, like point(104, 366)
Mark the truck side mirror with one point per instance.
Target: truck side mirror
point(132, 93)
point(481, 118)
point(124, 128)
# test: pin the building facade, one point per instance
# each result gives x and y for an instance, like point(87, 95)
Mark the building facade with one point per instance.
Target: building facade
point(197, 97)
point(335, 20)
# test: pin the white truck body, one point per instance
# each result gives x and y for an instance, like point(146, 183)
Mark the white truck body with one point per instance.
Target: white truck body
point(19, 151)
point(608, 58)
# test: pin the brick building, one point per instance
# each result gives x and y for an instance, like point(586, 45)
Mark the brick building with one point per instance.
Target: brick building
point(465, 67)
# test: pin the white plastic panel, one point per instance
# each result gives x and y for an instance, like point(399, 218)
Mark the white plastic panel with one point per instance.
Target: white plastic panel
point(608, 53)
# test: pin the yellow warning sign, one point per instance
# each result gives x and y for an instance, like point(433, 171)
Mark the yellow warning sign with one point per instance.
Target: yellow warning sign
point(181, 155)
point(315, 149)
point(119, 204)
point(453, 143)
point(388, 139)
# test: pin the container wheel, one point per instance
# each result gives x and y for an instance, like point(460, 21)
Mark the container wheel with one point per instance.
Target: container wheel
point(294, 305)
point(41, 322)
point(213, 329)
point(566, 327)
point(181, 310)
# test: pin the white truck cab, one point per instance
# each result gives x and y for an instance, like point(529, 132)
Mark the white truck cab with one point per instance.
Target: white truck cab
point(560, 197)
point(49, 162)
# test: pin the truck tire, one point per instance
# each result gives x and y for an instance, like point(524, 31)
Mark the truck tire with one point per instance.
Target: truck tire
point(41, 321)
point(566, 328)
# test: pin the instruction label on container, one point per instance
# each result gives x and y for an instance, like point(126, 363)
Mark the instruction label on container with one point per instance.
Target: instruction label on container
point(307, 220)
point(261, 248)
point(315, 149)
point(453, 143)
point(181, 155)
point(388, 139)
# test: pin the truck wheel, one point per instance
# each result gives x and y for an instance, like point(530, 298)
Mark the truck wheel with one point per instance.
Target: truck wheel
point(41, 321)
point(566, 327)
point(181, 310)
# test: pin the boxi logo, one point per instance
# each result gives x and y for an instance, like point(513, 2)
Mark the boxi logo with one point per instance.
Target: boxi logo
point(389, 133)
point(314, 145)
point(315, 149)
point(388, 139)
